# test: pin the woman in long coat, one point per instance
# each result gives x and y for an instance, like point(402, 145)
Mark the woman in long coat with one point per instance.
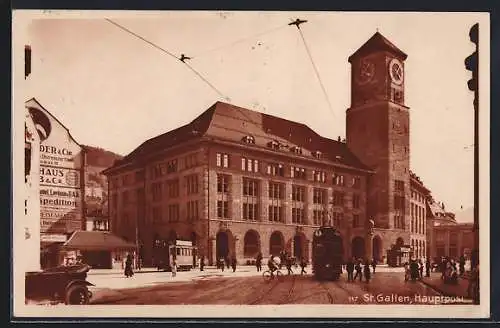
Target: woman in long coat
point(128, 266)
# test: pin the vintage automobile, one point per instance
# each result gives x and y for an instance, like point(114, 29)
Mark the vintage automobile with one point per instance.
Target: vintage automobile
point(62, 284)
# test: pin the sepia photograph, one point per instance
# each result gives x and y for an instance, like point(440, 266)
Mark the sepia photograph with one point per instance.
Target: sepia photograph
point(187, 164)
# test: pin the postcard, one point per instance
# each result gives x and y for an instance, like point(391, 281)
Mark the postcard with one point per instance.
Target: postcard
point(200, 164)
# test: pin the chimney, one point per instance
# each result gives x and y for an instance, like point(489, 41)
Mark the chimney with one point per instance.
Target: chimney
point(442, 206)
point(27, 61)
point(338, 139)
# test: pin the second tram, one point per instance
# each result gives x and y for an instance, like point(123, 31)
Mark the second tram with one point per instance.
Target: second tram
point(327, 253)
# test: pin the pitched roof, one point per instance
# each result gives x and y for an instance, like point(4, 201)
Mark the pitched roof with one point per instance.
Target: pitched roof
point(96, 240)
point(228, 122)
point(378, 43)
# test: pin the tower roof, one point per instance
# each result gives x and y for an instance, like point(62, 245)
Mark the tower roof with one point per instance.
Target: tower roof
point(378, 43)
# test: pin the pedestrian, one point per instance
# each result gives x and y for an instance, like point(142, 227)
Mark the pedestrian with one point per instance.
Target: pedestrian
point(462, 265)
point(129, 272)
point(303, 264)
point(233, 262)
point(289, 265)
point(407, 271)
point(174, 268)
point(374, 265)
point(258, 262)
point(202, 263)
point(428, 268)
point(420, 269)
point(221, 264)
point(350, 269)
point(414, 270)
point(358, 271)
point(366, 270)
point(443, 268)
point(228, 263)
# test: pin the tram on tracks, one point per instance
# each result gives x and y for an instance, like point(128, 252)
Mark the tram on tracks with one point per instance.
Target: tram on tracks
point(327, 253)
point(182, 251)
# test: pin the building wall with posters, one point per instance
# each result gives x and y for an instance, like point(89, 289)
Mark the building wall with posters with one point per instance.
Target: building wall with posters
point(61, 185)
point(31, 222)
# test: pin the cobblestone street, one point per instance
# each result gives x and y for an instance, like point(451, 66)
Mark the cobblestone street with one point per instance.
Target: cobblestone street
point(247, 288)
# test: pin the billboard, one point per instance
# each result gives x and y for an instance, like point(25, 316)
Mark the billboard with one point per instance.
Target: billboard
point(60, 158)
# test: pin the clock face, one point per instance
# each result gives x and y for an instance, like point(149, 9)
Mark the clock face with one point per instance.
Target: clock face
point(366, 71)
point(396, 71)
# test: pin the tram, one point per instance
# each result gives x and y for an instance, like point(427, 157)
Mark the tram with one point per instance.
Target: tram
point(182, 251)
point(327, 253)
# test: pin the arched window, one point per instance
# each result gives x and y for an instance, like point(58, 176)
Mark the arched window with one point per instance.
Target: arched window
point(251, 245)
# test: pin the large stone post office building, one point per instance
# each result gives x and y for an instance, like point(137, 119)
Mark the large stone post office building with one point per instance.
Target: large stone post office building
point(236, 181)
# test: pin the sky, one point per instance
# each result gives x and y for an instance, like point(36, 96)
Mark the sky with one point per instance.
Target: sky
point(114, 91)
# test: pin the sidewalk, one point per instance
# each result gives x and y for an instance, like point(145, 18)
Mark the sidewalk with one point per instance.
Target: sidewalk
point(458, 290)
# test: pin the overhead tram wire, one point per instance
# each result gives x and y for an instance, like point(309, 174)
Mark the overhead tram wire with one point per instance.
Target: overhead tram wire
point(203, 53)
point(297, 23)
point(182, 58)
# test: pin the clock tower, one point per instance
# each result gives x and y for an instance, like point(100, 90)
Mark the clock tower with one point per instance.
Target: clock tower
point(377, 132)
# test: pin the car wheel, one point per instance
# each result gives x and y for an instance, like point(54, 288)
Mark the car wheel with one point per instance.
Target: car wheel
point(77, 295)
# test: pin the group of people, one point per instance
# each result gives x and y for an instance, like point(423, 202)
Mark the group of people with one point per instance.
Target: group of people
point(414, 269)
point(449, 270)
point(227, 262)
point(362, 269)
point(276, 262)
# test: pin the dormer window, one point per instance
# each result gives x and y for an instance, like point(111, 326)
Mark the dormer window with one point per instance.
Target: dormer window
point(273, 145)
point(317, 154)
point(248, 139)
point(296, 150)
point(338, 157)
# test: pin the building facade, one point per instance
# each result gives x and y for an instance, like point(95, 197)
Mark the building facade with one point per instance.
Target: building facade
point(446, 237)
point(235, 181)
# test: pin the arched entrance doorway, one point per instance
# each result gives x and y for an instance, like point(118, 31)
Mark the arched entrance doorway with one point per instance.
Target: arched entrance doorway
point(276, 243)
point(222, 245)
point(358, 247)
point(377, 248)
point(251, 244)
point(298, 246)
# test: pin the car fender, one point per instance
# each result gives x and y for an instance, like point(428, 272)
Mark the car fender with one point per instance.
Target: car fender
point(78, 282)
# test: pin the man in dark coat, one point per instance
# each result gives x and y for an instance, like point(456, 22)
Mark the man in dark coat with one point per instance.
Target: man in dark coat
point(374, 265)
point(258, 262)
point(359, 271)
point(233, 263)
point(414, 270)
point(350, 269)
point(428, 268)
point(366, 270)
point(462, 265)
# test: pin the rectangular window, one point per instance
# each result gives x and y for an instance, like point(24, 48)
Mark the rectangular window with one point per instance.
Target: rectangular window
point(399, 185)
point(250, 212)
point(337, 218)
point(192, 210)
point(355, 221)
point(156, 190)
point(256, 165)
point(172, 166)
point(356, 201)
point(399, 202)
point(319, 217)
point(173, 188)
point(298, 172)
point(225, 160)
point(338, 198)
point(222, 209)
point(222, 183)
point(298, 193)
point(250, 187)
point(319, 196)
point(276, 214)
point(338, 180)
point(219, 160)
point(298, 216)
point(190, 161)
point(276, 190)
point(173, 212)
point(192, 184)
point(243, 164)
point(356, 182)
point(319, 176)
point(276, 169)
